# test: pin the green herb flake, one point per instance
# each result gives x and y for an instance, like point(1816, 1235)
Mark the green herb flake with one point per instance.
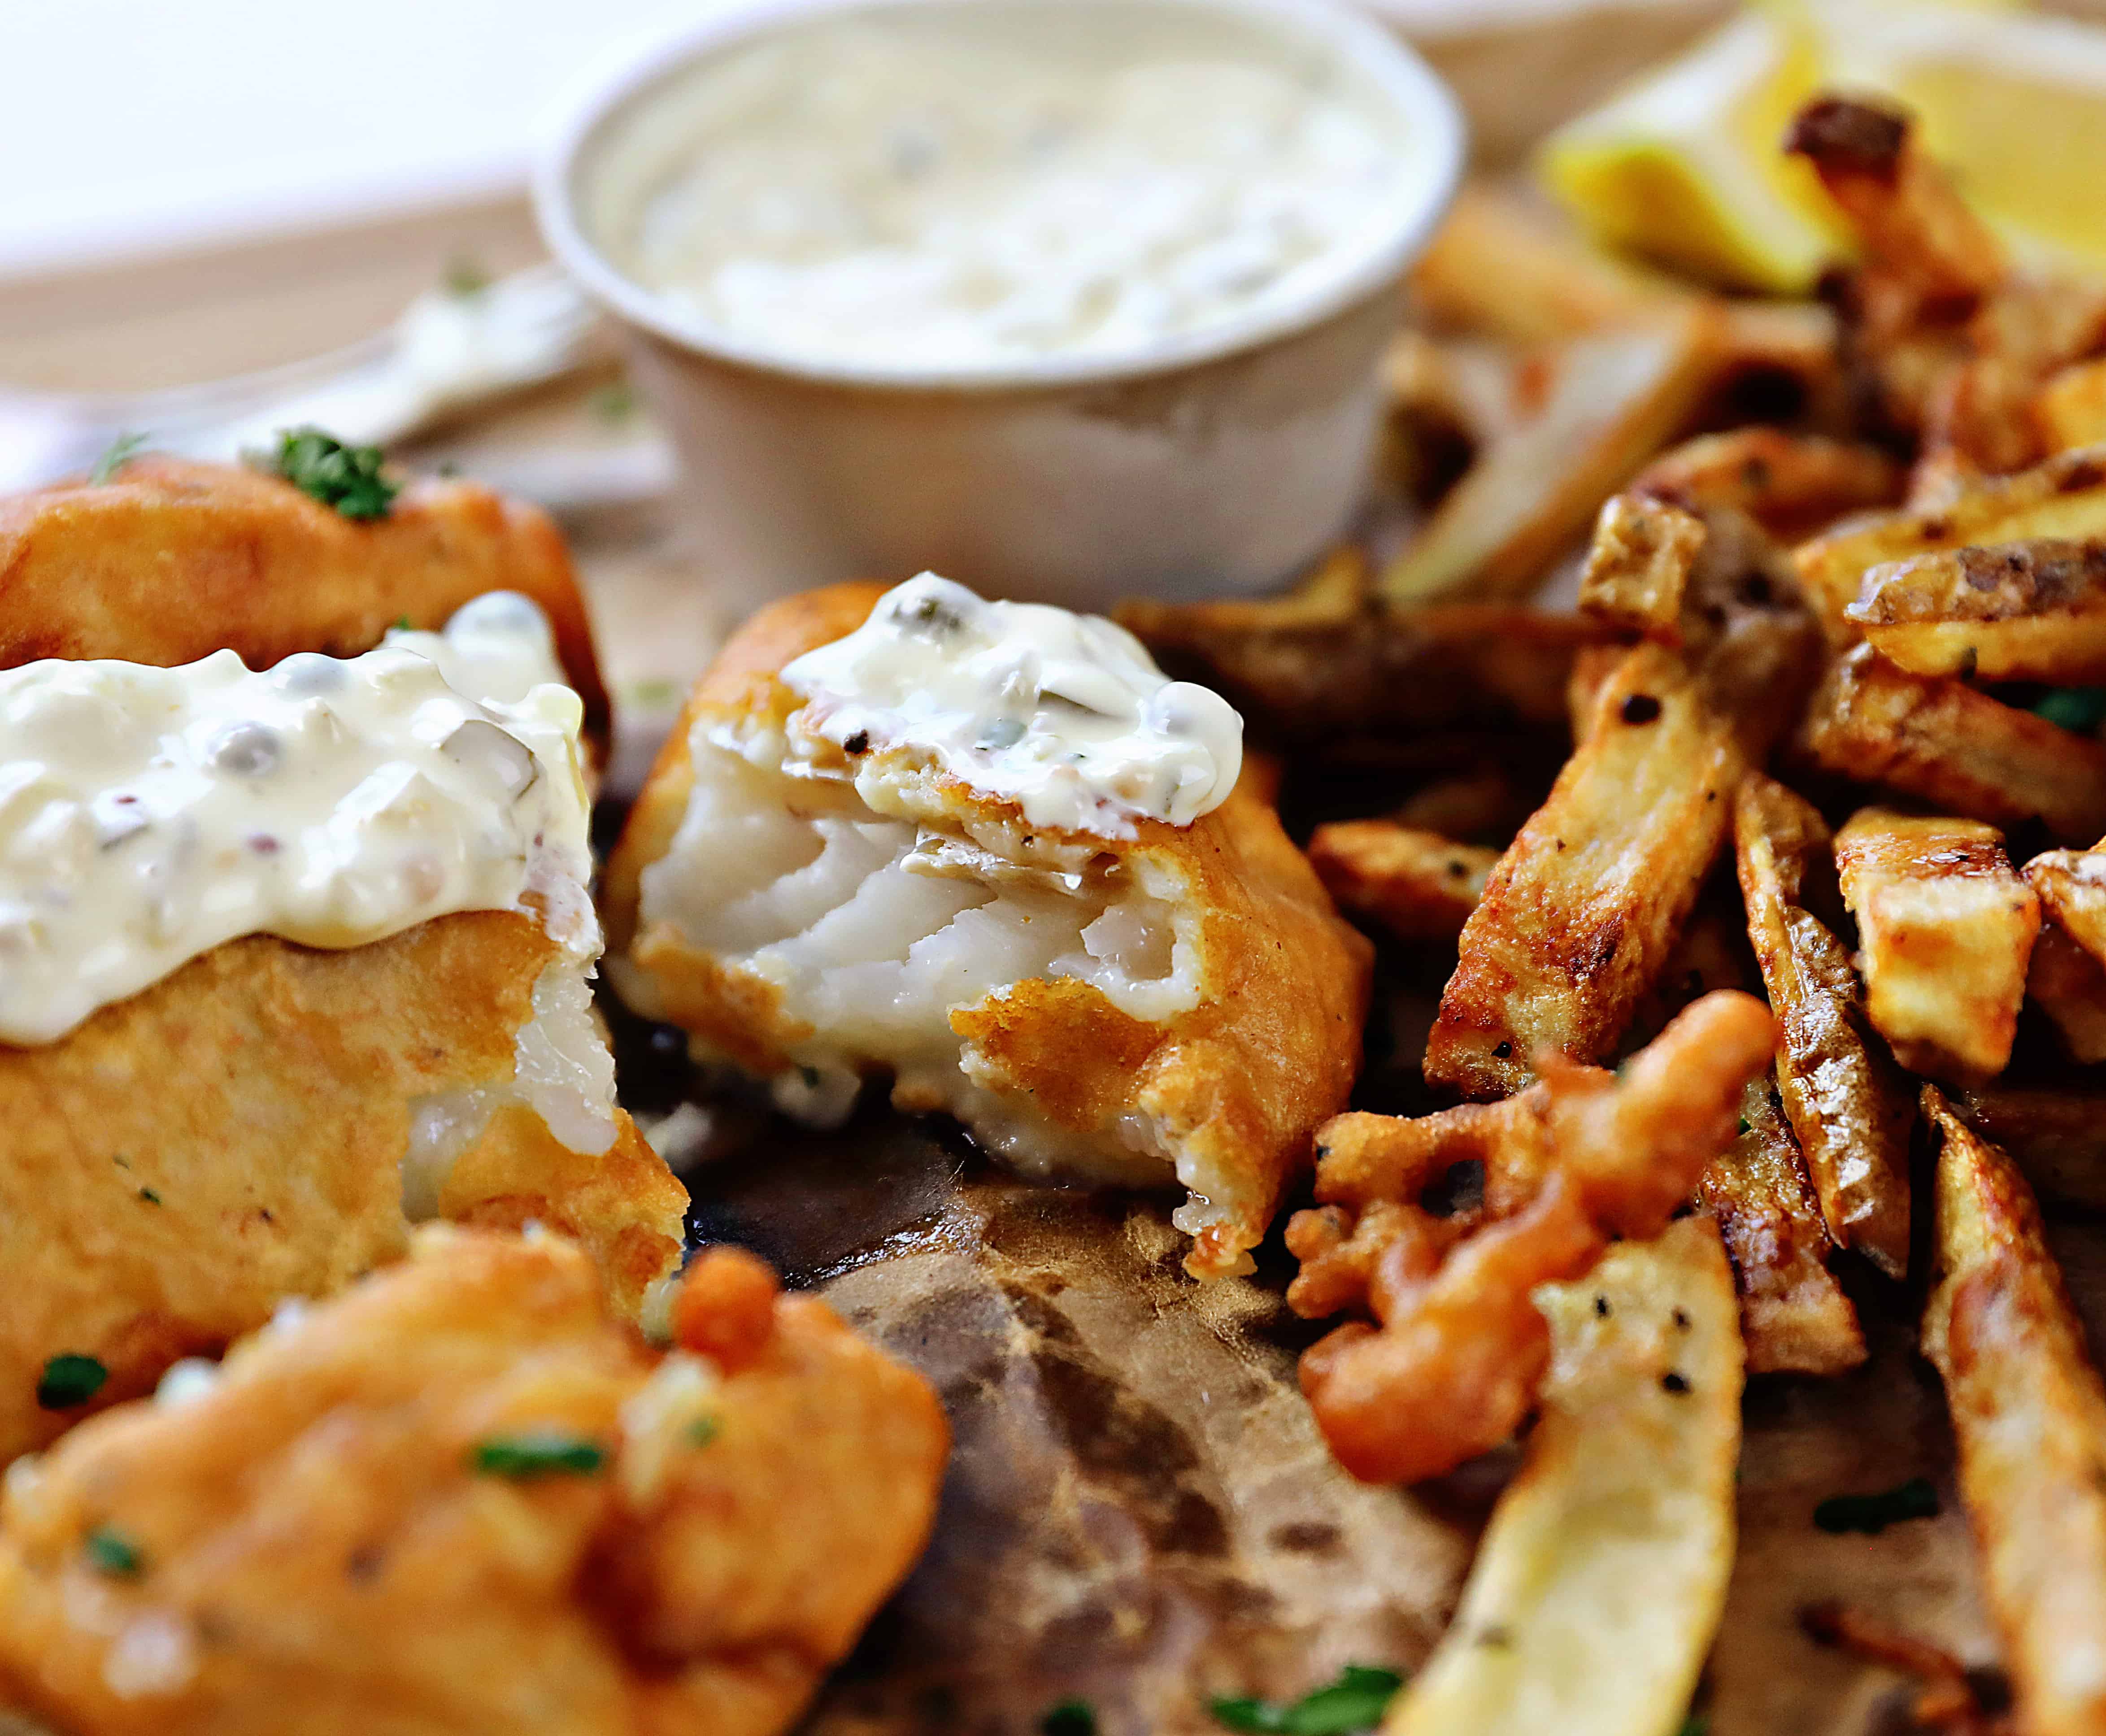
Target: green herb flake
point(537, 1453)
point(320, 465)
point(1741, 1130)
point(109, 1551)
point(2081, 709)
point(401, 624)
point(613, 403)
point(1069, 1718)
point(68, 1380)
point(465, 276)
point(703, 1430)
point(1355, 1702)
point(1873, 1514)
point(1696, 1724)
point(119, 453)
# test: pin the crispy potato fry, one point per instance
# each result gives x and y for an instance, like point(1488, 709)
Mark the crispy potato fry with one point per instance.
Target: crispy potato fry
point(1579, 916)
point(2030, 1416)
point(1847, 1103)
point(1790, 484)
point(1616, 400)
point(2069, 985)
point(1937, 739)
point(1980, 415)
point(1638, 565)
point(2071, 885)
point(2056, 1133)
point(1602, 1577)
point(2070, 410)
point(1793, 1315)
point(1584, 1155)
point(1945, 928)
point(2063, 497)
point(2007, 612)
point(1417, 885)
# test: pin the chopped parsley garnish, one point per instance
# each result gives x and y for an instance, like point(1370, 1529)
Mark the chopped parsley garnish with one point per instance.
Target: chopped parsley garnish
point(537, 1453)
point(109, 1551)
point(466, 275)
point(2082, 709)
point(1695, 1725)
point(703, 1430)
point(402, 624)
point(1873, 1514)
point(68, 1380)
point(1069, 1718)
point(614, 403)
point(321, 466)
point(119, 452)
point(1355, 1702)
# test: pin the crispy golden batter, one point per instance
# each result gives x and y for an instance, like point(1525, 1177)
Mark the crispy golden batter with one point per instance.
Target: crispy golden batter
point(333, 1539)
point(1945, 928)
point(2006, 612)
point(1417, 885)
point(1454, 1364)
point(1232, 1087)
point(1638, 565)
point(234, 1135)
point(1936, 739)
point(173, 560)
point(1847, 1102)
point(2030, 1415)
point(1793, 1315)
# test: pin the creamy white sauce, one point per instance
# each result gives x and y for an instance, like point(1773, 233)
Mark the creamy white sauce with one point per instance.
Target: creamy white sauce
point(1065, 715)
point(958, 185)
point(148, 815)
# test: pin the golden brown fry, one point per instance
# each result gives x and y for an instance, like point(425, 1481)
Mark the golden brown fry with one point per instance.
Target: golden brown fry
point(2072, 887)
point(2070, 410)
point(2069, 985)
point(2030, 1415)
point(2056, 1133)
point(2063, 497)
point(1793, 1315)
point(1638, 565)
point(1935, 738)
point(1417, 885)
point(2008, 611)
point(1790, 484)
point(1980, 414)
point(1586, 1155)
point(1616, 399)
point(1945, 928)
point(1846, 1101)
point(173, 560)
point(313, 1543)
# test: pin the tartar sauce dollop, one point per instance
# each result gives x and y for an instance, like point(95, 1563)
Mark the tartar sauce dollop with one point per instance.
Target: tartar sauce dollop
point(1065, 715)
point(147, 814)
point(953, 187)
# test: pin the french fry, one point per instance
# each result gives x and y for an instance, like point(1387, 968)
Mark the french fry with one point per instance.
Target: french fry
point(2065, 497)
point(1790, 484)
point(1602, 1577)
point(2006, 612)
point(1417, 885)
point(1638, 565)
point(2030, 1415)
point(1945, 929)
point(1793, 1315)
point(2071, 885)
point(1846, 1101)
point(1616, 399)
point(1579, 916)
point(2056, 1133)
point(1936, 739)
point(2070, 410)
point(2069, 985)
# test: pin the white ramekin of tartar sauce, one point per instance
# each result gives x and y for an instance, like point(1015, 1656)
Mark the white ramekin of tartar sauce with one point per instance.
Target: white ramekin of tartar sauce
point(1070, 298)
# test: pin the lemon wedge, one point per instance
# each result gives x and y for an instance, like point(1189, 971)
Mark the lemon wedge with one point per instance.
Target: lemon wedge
point(1684, 168)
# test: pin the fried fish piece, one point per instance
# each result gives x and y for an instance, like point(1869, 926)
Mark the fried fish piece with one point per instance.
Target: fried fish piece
point(1459, 1351)
point(462, 1498)
point(2004, 612)
point(172, 559)
point(267, 1120)
point(1417, 885)
point(2030, 1415)
point(1847, 1104)
point(1945, 929)
point(1183, 1001)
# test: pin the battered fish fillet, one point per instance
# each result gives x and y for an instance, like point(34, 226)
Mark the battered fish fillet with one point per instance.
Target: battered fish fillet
point(461, 1499)
point(267, 1120)
point(1185, 1000)
point(173, 560)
